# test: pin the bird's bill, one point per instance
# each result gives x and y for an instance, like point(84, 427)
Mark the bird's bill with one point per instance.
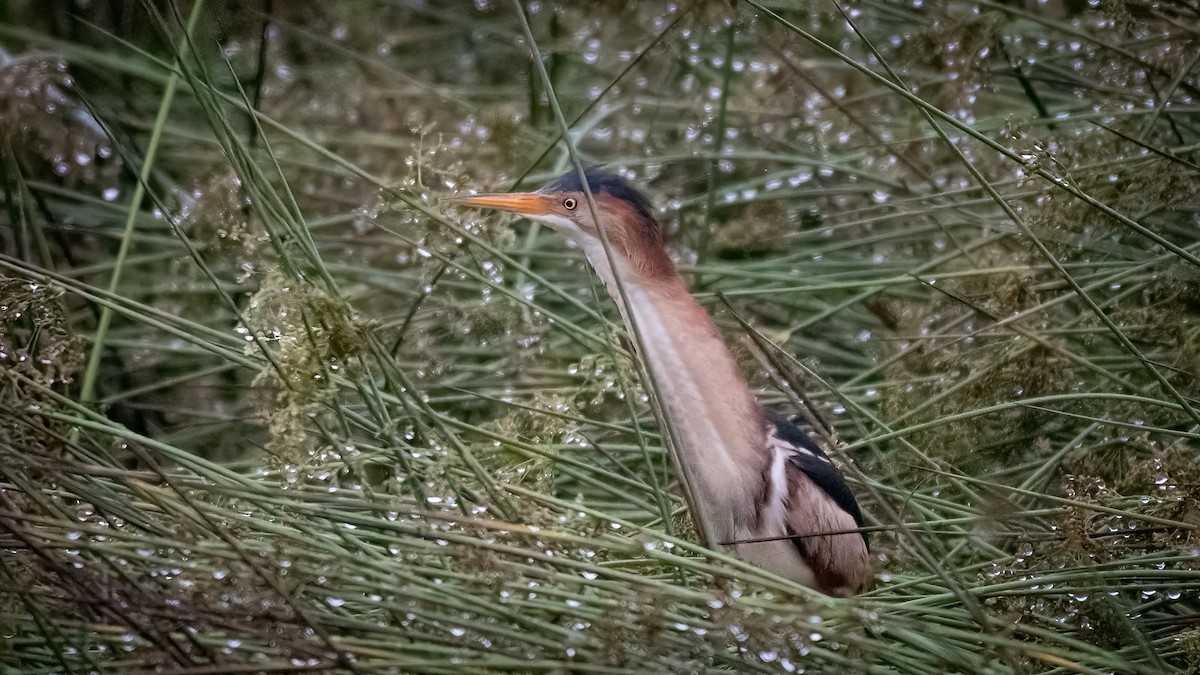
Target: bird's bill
point(524, 203)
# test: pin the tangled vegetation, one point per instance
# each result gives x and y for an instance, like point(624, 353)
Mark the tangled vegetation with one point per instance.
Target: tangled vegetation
point(268, 405)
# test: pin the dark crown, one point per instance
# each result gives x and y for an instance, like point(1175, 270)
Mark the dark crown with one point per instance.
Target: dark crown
point(602, 182)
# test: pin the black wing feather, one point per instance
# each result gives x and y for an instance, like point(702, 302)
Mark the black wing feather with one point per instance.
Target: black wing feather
point(819, 469)
point(792, 433)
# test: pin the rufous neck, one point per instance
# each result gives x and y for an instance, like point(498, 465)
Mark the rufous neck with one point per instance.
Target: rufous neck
point(715, 417)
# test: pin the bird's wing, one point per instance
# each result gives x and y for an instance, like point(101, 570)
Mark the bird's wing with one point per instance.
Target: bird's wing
point(820, 510)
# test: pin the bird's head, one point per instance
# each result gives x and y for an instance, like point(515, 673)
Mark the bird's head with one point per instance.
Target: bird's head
point(634, 236)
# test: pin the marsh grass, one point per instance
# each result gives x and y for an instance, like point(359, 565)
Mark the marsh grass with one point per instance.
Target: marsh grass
point(329, 424)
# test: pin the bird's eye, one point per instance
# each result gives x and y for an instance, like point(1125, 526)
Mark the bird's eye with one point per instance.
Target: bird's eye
point(569, 203)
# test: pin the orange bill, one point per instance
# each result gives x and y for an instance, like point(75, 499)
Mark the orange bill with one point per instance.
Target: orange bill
point(525, 203)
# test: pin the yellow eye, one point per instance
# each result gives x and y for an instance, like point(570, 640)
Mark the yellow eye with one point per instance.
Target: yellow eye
point(569, 203)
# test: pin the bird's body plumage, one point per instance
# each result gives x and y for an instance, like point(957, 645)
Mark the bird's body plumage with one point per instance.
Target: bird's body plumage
point(816, 510)
point(752, 476)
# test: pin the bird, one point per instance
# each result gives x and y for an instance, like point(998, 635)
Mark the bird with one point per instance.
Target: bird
point(762, 486)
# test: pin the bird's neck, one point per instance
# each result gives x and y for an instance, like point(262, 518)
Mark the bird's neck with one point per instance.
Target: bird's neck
point(717, 422)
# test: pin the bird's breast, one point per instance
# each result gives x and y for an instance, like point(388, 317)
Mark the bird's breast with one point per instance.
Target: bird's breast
point(717, 422)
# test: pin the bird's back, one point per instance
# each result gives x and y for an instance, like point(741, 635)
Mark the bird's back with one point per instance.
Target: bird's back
point(808, 503)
